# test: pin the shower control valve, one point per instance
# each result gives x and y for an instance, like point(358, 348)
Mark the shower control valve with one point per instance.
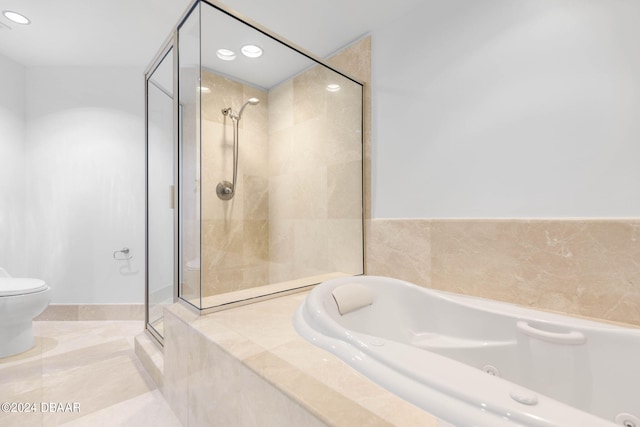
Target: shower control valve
point(224, 190)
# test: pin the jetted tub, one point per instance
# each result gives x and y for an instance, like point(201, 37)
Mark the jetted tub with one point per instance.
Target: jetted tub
point(476, 362)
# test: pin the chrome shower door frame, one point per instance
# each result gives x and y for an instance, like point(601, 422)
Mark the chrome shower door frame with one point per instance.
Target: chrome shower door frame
point(169, 48)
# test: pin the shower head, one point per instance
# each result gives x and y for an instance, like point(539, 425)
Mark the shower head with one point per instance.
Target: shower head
point(250, 101)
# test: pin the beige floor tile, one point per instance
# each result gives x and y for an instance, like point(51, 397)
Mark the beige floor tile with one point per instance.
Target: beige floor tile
point(146, 410)
point(87, 363)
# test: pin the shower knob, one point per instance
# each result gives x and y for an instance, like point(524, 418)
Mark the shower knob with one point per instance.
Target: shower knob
point(224, 190)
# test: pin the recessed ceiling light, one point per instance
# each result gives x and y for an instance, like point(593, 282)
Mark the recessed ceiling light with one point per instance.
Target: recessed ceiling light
point(16, 17)
point(251, 51)
point(204, 89)
point(226, 54)
point(333, 87)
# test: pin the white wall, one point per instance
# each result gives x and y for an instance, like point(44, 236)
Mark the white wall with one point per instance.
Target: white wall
point(507, 109)
point(85, 186)
point(12, 178)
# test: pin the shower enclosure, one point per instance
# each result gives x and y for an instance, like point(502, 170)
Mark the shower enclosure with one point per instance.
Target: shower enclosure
point(254, 167)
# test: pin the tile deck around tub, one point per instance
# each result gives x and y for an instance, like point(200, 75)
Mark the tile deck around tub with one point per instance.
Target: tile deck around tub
point(261, 336)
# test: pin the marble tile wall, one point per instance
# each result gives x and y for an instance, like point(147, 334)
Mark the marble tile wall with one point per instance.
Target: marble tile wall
point(235, 233)
point(400, 249)
point(587, 267)
point(315, 164)
point(299, 203)
point(356, 60)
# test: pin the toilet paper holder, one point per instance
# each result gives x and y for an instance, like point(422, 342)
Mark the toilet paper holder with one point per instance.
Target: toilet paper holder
point(125, 254)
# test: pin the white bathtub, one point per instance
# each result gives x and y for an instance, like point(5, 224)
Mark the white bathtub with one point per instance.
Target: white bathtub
point(476, 362)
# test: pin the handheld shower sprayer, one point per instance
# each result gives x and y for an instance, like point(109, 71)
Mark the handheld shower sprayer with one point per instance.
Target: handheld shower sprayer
point(225, 189)
point(250, 101)
point(229, 111)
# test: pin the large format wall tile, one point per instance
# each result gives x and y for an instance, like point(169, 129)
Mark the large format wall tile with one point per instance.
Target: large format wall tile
point(583, 267)
point(400, 249)
point(316, 170)
point(300, 172)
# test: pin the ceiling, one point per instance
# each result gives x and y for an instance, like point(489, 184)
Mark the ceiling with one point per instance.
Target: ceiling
point(128, 33)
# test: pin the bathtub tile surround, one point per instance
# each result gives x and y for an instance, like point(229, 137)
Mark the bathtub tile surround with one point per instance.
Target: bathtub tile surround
point(91, 363)
point(391, 252)
point(247, 366)
point(586, 267)
point(176, 369)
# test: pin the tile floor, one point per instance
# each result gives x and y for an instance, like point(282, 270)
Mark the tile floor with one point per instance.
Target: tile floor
point(87, 363)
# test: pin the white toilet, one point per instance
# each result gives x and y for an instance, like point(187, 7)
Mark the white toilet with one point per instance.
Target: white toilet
point(20, 301)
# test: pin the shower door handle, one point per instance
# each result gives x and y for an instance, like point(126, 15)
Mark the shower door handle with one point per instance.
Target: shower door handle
point(569, 338)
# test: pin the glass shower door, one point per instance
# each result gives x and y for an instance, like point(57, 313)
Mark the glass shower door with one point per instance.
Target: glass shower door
point(270, 165)
point(161, 210)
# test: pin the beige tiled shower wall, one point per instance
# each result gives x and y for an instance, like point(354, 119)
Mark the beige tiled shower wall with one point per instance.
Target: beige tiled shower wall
point(235, 233)
point(298, 208)
point(588, 267)
point(356, 60)
point(315, 186)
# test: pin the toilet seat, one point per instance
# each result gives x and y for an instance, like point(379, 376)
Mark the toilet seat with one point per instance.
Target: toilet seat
point(12, 286)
